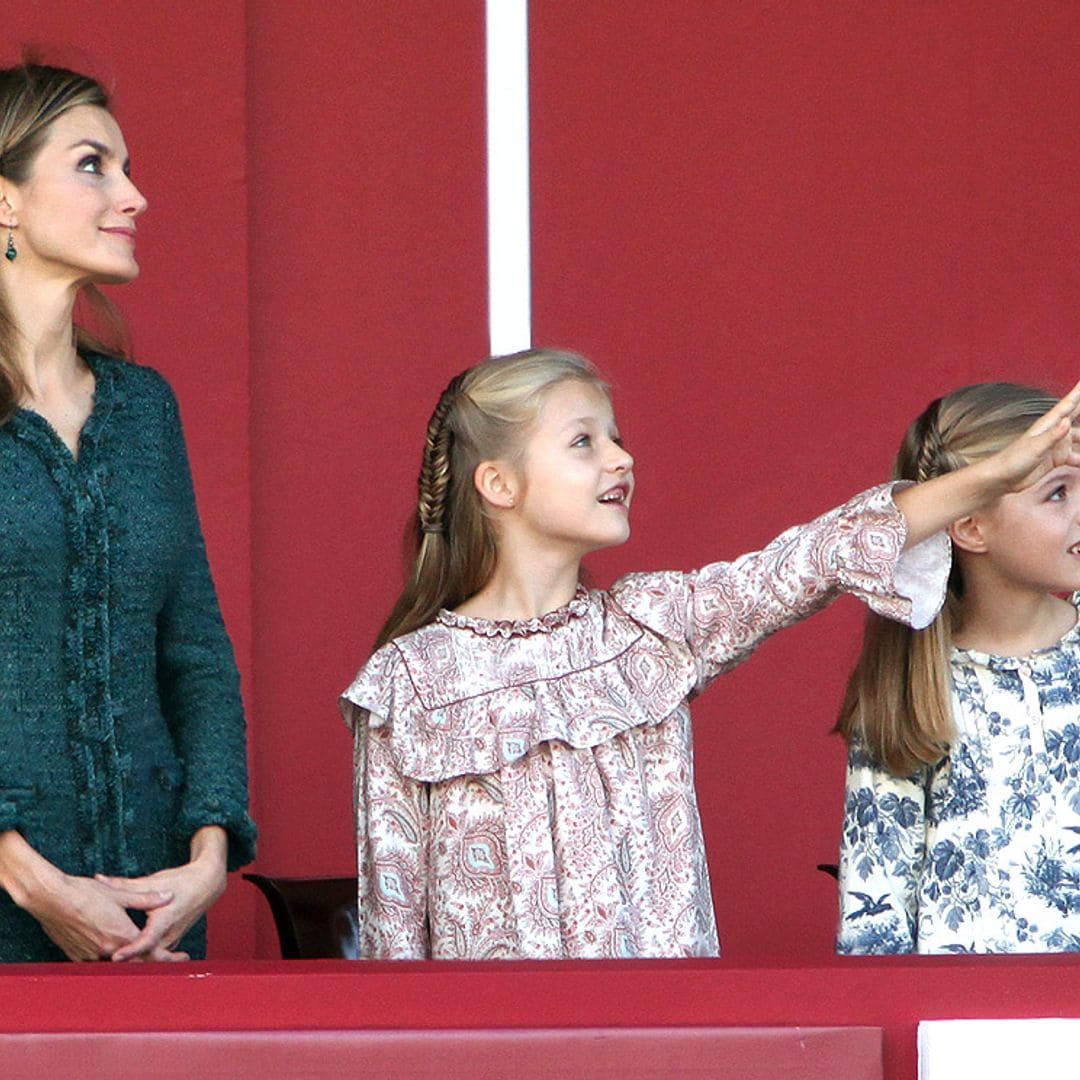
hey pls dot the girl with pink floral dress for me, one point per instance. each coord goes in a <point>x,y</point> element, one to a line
<point>523,760</point>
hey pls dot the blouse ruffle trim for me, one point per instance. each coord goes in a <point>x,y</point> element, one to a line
<point>611,662</point>
<point>506,628</point>
<point>633,679</point>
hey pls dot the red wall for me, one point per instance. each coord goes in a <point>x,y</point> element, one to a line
<point>369,283</point>
<point>780,229</point>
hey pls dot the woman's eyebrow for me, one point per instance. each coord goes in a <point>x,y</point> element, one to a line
<point>101,148</point>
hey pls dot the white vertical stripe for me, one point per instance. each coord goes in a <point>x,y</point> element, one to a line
<point>509,277</point>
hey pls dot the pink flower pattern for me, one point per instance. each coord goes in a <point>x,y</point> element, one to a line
<point>526,789</point>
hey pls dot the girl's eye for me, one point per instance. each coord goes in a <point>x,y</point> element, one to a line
<point>91,164</point>
<point>582,440</point>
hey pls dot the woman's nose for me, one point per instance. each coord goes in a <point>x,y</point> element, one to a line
<point>132,201</point>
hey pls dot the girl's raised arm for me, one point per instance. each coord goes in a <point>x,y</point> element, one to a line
<point>1050,442</point>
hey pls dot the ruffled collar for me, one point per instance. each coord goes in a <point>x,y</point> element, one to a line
<point>461,696</point>
<point>507,628</point>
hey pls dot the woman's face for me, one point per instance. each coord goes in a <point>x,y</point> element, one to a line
<point>75,213</point>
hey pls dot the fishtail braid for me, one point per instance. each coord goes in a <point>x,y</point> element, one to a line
<point>435,470</point>
<point>930,456</point>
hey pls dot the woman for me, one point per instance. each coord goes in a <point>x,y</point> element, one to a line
<point>123,788</point>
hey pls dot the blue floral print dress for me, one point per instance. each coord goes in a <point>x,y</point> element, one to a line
<point>980,853</point>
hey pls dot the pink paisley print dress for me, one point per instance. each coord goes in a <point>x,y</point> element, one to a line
<point>526,789</point>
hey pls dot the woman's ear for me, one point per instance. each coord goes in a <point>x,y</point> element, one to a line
<point>497,484</point>
<point>7,211</point>
<point>968,533</point>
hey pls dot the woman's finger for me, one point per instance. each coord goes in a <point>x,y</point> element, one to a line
<point>142,901</point>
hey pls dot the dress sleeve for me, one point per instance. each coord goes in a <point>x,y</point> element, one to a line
<point>198,680</point>
<point>391,846</point>
<point>882,852</point>
<point>723,611</point>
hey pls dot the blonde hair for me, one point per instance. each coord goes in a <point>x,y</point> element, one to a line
<point>898,700</point>
<point>483,414</point>
<point>32,96</point>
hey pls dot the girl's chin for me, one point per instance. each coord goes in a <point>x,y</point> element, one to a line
<point>614,542</point>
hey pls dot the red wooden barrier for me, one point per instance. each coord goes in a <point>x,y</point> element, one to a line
<point>327,995</point>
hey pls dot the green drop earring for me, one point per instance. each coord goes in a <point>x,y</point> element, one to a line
<point>11,252</point>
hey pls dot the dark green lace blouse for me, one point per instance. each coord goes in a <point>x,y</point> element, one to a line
<point>121,726</point>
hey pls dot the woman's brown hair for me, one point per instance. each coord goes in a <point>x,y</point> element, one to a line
<point>897,704</point>
<point>32,96</point>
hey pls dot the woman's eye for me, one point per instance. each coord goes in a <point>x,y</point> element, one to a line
<point>91,163</point>
<point>1057,494</point>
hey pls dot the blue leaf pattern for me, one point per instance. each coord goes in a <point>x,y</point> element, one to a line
<point>980,853</point>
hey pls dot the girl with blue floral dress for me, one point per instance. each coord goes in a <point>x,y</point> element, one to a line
<point>962,813</point>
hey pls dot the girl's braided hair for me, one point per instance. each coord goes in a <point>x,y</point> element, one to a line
<point>897,705</point>
<point>484,414</point>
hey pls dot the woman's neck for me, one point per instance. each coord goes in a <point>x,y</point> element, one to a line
<point>1012,622</point>
<point>45,353</point>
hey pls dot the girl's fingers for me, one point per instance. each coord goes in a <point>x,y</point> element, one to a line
<point>1049,437</point>
<point>1065,409</point>
<point>1071,401</point>
<point>1060,414</point>
<point>1074,396</point>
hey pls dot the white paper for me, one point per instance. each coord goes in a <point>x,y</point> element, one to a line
<point>999,1049</point>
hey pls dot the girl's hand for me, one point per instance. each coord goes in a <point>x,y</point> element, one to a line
<point>1049,443</point>
<point>1052,441</point>
<point>192,888</point>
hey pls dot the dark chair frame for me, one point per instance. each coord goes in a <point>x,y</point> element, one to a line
<point>315,917</point>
